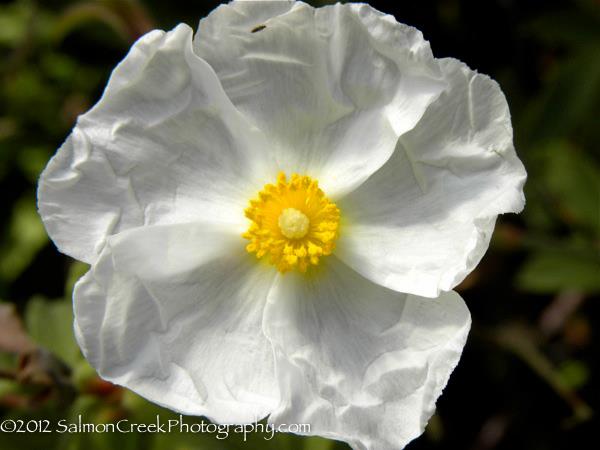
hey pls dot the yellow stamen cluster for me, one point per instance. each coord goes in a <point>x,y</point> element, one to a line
<point>293,223</point>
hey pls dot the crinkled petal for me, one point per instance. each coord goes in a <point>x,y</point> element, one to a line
<point>424,220</point>
<point>332,87</point>
<point>163,145</point>
<point>174,313</point>
<point>359,362</point>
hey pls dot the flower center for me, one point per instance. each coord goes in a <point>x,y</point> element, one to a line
<point>293,223</point>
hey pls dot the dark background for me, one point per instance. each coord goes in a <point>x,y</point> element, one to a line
<point>527,376</point>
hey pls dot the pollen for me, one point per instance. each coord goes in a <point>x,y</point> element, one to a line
<point>293,224</point>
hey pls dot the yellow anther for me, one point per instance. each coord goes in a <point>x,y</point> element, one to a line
<point>293,223</point>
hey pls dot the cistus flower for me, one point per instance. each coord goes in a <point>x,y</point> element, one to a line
<point>276,211</point>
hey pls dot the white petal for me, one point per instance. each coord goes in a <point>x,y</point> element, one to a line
<point>424,220</point>
<point>359,362</point>
<point>174,313</point>
<point>163,145</point>
<point>333,87</point>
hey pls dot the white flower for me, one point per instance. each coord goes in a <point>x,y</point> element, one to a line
<point>414,161</point>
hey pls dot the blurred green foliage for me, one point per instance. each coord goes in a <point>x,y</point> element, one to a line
<point>532,356</point>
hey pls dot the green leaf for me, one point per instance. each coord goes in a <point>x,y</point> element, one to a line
<point>32,161</point>
<point>318,443</point>
<point>548,272</point>
<point>26,237</point>
<point>76,271</point>
<point>570,101</point>
<point>8,361</point>
<point>574,374</point>
<point>50,324</point>
<point>8,387</point>
<point>13,23</point>
<point>573,180</point>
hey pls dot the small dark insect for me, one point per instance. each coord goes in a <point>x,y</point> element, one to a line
<point>258,28</point>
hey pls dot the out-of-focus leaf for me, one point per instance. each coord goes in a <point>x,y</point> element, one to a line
<point>83,372</point>
<point>25,88</point>
<point>573,178</point>
<point>50,324</point>
<point>8,387</point>
<point>13,23</point>
<point>32,161</point>
<point>539,215</point>
<point>8,361</point>
<point>318,443</point>
<point>548,272</point>
<point>29,95</point>
<point>574,373</point>
<point>26,237</point>
<point>571,100</point>
<point>59,66</point>
<point>13,337</point>
<point>76,271</point>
